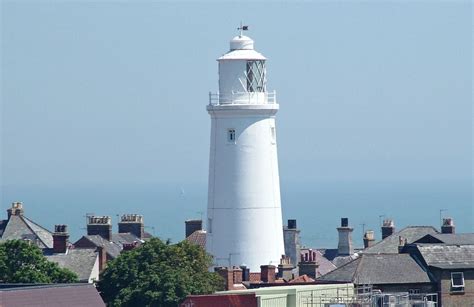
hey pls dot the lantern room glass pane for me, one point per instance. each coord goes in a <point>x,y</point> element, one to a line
<point>256,76</point>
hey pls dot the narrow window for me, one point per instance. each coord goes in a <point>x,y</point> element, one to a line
<point>231,135</point>
<point>273,136</point>
<point>209,225</point>
<point>457,282</point>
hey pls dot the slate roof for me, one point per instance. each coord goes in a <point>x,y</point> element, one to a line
<point>71,295</point>
<point>448,238</point>
<point>114,247</point>
<point>332,254</point>
<point>198,237</point>
<point>325,266</point>
<point>389,245</point>
<point>19,227</point>
<point>446,256</point>
<point>377,269</point>
<point>79,260</point>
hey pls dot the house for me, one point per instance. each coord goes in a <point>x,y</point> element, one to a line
<point>449,260</point>
<point>47,295</point>
<point>386,272</point>
<point>99,234</point>
<point>55,246</point>
<point>391,240</point>
<point>19,227</point>
<point>85,262</point>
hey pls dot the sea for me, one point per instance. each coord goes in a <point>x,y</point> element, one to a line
<point>317,207</point>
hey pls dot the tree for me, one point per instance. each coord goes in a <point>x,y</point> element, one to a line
<point>22,262</point>
<point>158,274</point>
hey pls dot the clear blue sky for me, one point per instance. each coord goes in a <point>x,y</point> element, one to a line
<point>113,92</point>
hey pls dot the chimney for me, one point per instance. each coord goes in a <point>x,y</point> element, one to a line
<point>285,268</point>
<point>308,264</point>
<point>102,257</point>
<point>192,226</point>
<point>16,209</point>
<point>401,243</point>
<point>132,223</point>
<point>344,246</point>
<point>238,275</point>
<point>388,228</point>
<point>267,273</point>
<point>227,275</point>
<point>100,225</point>
<point>60,238</point>
<point>369,238</point>
<point>291,238</point>
<point>448,226</point>
<point>245,273</point>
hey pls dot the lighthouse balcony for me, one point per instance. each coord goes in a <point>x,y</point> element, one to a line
<point>242,98</point>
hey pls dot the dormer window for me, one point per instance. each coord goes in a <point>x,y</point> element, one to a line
<point>256,76</point>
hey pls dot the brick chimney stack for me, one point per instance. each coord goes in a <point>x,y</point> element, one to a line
<point>388,228</point>
<point>448,226</point>
<point>16,209</point>
<point>369,238</point>
<point>192,226</point>
<point>308,264</point>
<point>291,239</point>
<point>100,225</point>
<point>132,223</point>
<point>267,273</point>
<point>344,246</point>
<point>228,275</point>
<point>60,239</point>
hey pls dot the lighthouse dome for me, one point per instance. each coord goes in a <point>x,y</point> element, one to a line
<point>241,42</point>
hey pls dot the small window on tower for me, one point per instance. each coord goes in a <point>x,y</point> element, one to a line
<point>273,136</point>
<point>231,135</point>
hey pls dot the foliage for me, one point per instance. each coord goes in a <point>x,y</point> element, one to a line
<point>158,274</point>
<point>22,262</point>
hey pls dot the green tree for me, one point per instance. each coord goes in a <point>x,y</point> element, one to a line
<point>158,274</point>
<point>22,262</point>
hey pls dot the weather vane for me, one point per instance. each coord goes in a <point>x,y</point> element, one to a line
<point>242,28</point>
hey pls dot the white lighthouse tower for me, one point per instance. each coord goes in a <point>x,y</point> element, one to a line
<point>244,208</point>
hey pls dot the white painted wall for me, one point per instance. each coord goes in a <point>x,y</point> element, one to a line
<point>244,206</point>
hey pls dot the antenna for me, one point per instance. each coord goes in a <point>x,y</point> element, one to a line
<point>441,215</point>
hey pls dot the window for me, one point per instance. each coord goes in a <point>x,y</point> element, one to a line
<point>256,76</point>
<point>413,291</point>
<point>209,225</point>
<point>231,135</point>
<point>273,136</point>
<point>457,282</point>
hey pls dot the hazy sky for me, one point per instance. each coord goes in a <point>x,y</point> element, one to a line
<point>115,92</point>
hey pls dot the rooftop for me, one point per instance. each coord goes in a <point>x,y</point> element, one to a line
<point>379,269</point>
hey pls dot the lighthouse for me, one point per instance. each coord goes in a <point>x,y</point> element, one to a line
<point>244,225</point>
